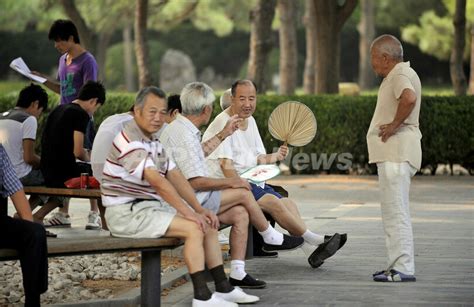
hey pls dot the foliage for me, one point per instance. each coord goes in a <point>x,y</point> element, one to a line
<point>434,34</point>
<point>395,13</point>
<point>35,14</point>
<point>445,122</point>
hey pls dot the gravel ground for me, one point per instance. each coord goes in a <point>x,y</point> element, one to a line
<point>80,278</point>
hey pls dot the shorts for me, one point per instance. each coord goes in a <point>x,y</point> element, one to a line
<point>34,177</point>
<point>142,219</point>
<point>259,192</point>
<point>210,200</point>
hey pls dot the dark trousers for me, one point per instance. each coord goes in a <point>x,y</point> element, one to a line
<point>29,239</point>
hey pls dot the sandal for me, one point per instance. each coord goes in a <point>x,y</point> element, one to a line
<point>394,276</point>
<point>379,272</point>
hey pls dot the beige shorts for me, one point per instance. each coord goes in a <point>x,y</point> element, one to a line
<point>143,219</point>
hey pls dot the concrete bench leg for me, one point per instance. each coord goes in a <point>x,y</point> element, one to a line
<point>151,278</point>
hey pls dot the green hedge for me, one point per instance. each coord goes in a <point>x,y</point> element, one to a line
<point>446,122</point>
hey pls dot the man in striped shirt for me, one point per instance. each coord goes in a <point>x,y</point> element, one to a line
<point>147,197</point>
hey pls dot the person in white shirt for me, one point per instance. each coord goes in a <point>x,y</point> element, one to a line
<point>108,130</point>
<point>18,128</point>
<point>233,203</point>
<point>394,144</point>
<point>147,197</point>
<point>243,150</point>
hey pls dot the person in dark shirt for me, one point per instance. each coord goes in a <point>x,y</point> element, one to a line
<point>63,139</point>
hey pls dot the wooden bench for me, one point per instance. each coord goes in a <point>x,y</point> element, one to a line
<point>75,241</point>
<point>73,193</point>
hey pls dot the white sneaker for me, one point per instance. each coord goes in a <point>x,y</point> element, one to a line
<point>214,301</point>
<point>93,221</point>
<point>59,219</point>
<point>222,238</point>
<point>237,296</point>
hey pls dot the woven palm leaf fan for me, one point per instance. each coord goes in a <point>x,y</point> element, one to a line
<point>293,123</point>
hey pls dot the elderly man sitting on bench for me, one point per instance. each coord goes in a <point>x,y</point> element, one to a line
<point>146,197</point>
<point>243,150</point>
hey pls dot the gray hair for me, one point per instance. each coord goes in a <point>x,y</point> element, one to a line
<point>226,99</point>
<point>389,45</point>
<point>144,92</point>
<point>195,96</point>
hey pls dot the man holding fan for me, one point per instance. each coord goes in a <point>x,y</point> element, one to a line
<point>243,150</point>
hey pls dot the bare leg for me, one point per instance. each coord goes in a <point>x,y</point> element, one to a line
<point>193,237</point>
<point>212,249</point>
<point>282,215</point>
<point>233,197</point>
<point>39,215</point>
<point>291,206</point>
<point>94,206</point>
<point>34,201</point>
<point>238,217</point>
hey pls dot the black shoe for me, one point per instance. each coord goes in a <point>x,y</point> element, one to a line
<point>341,243</point>
<point>259,253</point>
<point>289,243</point>
<point>324,251</point>
<point>248,283</point>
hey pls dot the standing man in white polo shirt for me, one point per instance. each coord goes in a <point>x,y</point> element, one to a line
<point>394,143</point>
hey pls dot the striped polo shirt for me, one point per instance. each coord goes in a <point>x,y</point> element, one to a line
<point>123,176</point>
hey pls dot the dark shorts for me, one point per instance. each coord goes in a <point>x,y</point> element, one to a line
<point>258,192</point>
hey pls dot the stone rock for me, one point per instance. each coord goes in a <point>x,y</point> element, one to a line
<point>176,70</point>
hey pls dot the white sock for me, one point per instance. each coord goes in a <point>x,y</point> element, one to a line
<point>271,236</point>
<point>237,269</point>
<point>312,238</point>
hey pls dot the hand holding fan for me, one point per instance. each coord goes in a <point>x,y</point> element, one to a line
<point>292,123</point>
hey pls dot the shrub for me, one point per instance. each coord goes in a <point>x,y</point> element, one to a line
<point>446,123</point>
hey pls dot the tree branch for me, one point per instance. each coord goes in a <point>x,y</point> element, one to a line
<point>73,13</point>
<point>344,12</point>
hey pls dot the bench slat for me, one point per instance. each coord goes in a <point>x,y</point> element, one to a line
<point>79,241</point>
<point>77,193</point>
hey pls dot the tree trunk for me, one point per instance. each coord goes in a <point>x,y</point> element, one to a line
<point>310,68</point>
<point>85,34</point>
<point>128,58</point>
<point>471,78</point>
<point>102,45</point>
<point>330,17</point>
<point>260,42</point>
<point>366,30</point>
<point>288,46</point>
<point>456,61</point>
<point>141,43</point>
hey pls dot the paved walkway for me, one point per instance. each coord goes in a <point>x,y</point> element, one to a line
<point>443,221</point>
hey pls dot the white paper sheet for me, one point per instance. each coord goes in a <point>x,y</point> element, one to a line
<point>20,66</point>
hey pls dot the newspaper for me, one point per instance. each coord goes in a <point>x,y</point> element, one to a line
<point>20,66</point>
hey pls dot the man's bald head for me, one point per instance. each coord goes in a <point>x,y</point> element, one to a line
<point>388,45</point>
